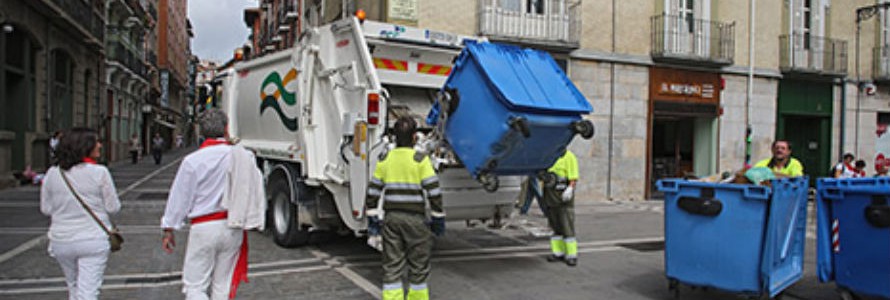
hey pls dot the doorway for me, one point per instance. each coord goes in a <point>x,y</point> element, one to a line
<point>681,146</point>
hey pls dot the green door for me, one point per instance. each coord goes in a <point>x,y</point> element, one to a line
<point>804,119</point>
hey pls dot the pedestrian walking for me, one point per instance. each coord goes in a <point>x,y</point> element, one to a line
<point>781,162</point>
<point>135,147</point>
<point>530,191</point>
<point>559,198</point>
<point>157,148</point>
<point>76,240</point>
<point>53,144</point>
<point>204,192</point>
<point>401,179</point>
<point>845,168</point>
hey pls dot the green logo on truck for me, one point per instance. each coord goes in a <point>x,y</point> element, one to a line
<point>280,94</point>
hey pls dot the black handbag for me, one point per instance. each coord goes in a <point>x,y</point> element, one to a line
<point>115,239</point>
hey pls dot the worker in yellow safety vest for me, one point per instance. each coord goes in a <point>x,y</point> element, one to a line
<point>782,162</point>
<point>559,198</point>
<point>402,179</point>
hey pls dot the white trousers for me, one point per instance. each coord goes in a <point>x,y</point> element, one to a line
<point>83,263</point>
<point>210,258</point>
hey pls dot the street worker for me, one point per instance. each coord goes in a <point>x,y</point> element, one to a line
<point>559,198</point>
<point>402,179</point>
<point>782,162</point>
<point>203,192</point>
<point>844,169</point>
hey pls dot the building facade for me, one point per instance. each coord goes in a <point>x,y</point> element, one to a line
<point>682,87</point>
<point>51,76</point>
<point>127,74</point>
<point>168,115</point>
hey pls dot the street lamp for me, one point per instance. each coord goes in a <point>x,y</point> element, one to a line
<point>862,14</point>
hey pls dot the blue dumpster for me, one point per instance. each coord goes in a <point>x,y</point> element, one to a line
<point>744,239</point>
<point>853,238</point>
<point>513,111</point>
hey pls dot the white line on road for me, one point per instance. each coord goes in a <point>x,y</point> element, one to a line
<point>22,248</point>
<point>147,177</point>
<point>36,241</point>
<point>357,279</point>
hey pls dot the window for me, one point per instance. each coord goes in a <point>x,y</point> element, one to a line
<point>806,11</point>
<point>62,85</point>
<point>686,12</point>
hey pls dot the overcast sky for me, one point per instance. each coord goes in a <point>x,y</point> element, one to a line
<point>219,27</point>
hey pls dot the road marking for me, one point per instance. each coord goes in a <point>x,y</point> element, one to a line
<point>36,241</point>
<point>163,279</point>
<point>22,248</point>
<point>147,177</point>
<point>357,279</point>
<point>120,286</point>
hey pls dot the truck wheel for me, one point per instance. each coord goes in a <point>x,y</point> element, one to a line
<point>286,231</point>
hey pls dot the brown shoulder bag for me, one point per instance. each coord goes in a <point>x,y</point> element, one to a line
<point>115,239</point>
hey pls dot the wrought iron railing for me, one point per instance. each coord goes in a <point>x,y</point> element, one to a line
<point>812,54</point>
<point>550,21</point>
<point>693,39</point>
<point>81,12</point>
<point>122,55</point>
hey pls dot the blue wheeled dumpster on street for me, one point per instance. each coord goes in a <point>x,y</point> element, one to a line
<point>853,238</point>
<point>746,239</point>
<point>509,111</point>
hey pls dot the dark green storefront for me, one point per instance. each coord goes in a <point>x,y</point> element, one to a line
<point>804,119</point>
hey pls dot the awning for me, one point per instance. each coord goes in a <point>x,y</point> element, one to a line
<point>165,123</point>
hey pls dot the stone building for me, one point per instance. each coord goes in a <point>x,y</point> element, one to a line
<point>52,72</point>
<point>685,87</point>
<point>127,73</point>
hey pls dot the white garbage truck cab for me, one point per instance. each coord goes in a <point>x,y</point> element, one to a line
<point>317,116</point>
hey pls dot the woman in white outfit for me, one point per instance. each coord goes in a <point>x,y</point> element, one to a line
<point>75,240</point>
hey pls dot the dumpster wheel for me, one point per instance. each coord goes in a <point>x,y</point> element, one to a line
<point>584,128</point>
<point>846,294</point>
<point>674,288</point>
<point>489,182</point>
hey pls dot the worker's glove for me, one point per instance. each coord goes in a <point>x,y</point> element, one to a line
<point>374,226</point>
<point>437,225</point>
<point>568,194</point>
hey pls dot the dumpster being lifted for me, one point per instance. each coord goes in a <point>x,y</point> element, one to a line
<point>853,240</point>
<point>505,110</point>
<point>740,238</point>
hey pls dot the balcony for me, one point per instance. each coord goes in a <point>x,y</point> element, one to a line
<point>120,54</point>
<point>553,23</point>
<point>806,54</point>
<point>287,13</point>
<point>881,64</point>
<point>81,13</point>
<point>688,40</point>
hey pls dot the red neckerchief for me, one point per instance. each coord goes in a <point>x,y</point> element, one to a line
<point>850,167</point>
<point>89,160</point>
<point>213,142</point>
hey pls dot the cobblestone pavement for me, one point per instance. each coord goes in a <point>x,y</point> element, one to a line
<point>621,246</point>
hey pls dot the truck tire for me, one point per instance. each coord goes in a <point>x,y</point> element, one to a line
<point>282,216</point>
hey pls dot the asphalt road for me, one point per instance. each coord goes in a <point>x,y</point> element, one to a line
<point>621,246</point>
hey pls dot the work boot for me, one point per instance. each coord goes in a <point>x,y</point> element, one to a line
<point>572,261</point>
<point>554,258</point>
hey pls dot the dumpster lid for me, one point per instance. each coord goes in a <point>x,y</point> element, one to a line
<point>528,79</point>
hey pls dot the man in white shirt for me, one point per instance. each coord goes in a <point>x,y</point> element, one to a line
<point>845,169</point>
<point>216,255</point>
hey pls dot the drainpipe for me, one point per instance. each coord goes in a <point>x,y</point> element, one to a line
<point>611,109</point>
<point>750,91</point>
<point>840,146</point>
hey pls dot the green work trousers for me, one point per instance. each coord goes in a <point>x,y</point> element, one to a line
<point>560,214</point>
<point>407,240</point>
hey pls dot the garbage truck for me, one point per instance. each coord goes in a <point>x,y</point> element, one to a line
<point>317,116</point>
